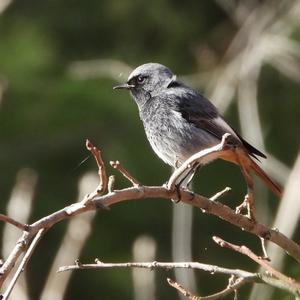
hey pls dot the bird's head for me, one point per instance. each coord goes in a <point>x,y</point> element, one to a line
<point>146,80</point>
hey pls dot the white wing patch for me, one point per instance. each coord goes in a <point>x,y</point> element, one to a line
<point>227,129</point>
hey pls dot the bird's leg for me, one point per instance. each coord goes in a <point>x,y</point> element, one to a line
<point>195,168</point>
<point>248,202</point>
<point>185,180</point>
<point>177,188</point>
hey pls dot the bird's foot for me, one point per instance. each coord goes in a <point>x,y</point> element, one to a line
<point>183,189</point>
<point>177,189</point>
<point>248,205</point>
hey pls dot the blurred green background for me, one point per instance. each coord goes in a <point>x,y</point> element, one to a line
<point>50,104</point>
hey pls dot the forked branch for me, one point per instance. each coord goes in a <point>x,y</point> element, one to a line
<point>97,200</point>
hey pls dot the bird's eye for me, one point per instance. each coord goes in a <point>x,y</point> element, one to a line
<point>140,79</point>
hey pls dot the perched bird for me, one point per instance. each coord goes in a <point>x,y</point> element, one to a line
<point>179,122</point>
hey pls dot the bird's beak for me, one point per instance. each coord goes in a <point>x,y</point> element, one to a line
<point>124,86</point>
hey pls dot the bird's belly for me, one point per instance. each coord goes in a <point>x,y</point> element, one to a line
<point>175,144</point>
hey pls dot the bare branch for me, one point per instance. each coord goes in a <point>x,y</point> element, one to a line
<point>118,166</point>
<point>111,183</point>
<point>23,263</point>
<point>182,290</point>
<point>11,221</point>
<point>231,288</point>
<point>265,277</point>
<point>101,168</point>
<point>134,193</point>
<point>215,208</point>
<point>95,201</point>
<point>9,263</point>
<point>291,283</point>
<point>220,194</point>
<point>212,269</point>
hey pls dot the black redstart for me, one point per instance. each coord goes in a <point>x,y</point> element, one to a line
<point>179,121</point>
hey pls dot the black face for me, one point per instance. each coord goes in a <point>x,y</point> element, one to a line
<point>140,87</point>
<point>137,81</point>
<point>133,83</point>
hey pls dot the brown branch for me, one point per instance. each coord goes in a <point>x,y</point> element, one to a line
<point>118,166</point>
<point>111,183</point>
<point>142,192</point>
<point>23,264</point>
<point>212,269</point>
<point>211,207</point>
<point>220,194</point>
<point>11,221</point>
<point>265,278</point>
<point>101,168</point>
<point>291,283</point>
<point>9,263</point>
<point>95,201</point>
<point>231,288</point>
<point>68,211</point>
<point>182,290</point>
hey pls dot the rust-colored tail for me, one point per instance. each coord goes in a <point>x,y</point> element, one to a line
<point>266,179</point>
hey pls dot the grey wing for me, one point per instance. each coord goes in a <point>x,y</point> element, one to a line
<point>200,112</point>
<point>196,109</point>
